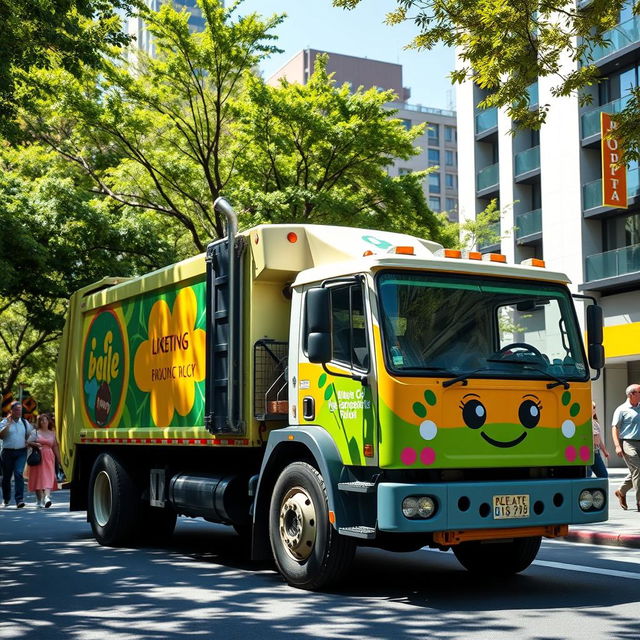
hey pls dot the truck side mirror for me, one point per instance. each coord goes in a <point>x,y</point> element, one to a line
<point>318,324</point>
<point>594,336</point>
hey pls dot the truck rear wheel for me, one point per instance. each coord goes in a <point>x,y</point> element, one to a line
<point>308,551</point>
<point>114,502</point>
<point>498,558</point>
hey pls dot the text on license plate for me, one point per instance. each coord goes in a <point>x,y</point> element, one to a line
<point>510,506</point>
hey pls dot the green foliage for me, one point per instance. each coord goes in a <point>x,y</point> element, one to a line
<point>58,237</point>
<point>506,45</point>
<point>42,33</point>
<point>472,233</point>
<point>317,153</point>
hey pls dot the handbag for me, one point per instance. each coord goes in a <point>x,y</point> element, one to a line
<point>35,457</point>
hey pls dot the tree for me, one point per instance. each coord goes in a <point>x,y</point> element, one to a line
<point>506,46</point>
<point>320,153</point>
<point>58,237</point>
<point>37,33</point>
<point>155,133</point>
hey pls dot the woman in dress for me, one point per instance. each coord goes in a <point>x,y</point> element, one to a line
<point>42,477</point>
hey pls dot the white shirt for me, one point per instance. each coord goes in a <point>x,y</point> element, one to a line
<point>17,434</point>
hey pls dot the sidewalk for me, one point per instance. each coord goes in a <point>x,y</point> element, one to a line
<point>623,527</point>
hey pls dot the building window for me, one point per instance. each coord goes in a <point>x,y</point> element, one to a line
<point>448,158</point>
<point>434,203</point>
<point>403,171</point>
<point>450,180</point>
<point>434,157</point>
<point>433,134</point>
<point>434,183</point>
<point>406,123</point>
<point>450,134</point>
<point>451,204</point>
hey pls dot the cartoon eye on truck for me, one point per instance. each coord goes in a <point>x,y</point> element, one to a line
<point>323,388</point>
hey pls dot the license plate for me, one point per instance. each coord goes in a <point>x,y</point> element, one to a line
<point>510,506</point>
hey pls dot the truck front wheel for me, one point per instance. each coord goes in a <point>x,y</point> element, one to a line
<point>498,558</point>
<point>114,501</point>
<point>308,551</point>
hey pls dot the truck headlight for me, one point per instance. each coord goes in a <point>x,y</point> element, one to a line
<point>410,507</point>
<point>426,507</point>
<point>598,499</point>
<point>586,500</point>
<point>414,507</point>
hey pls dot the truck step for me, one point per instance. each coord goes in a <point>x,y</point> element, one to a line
<point>357,487</point>
<point>368,533</point>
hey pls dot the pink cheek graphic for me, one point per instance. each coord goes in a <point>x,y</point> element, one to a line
<point>585,453</point>
<point>408,456</point>
<point>570,453</point>
<point>428,456</point>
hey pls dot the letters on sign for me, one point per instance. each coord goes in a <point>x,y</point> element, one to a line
<point>614,178</point>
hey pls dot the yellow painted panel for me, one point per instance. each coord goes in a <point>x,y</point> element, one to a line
<point>622,340</point>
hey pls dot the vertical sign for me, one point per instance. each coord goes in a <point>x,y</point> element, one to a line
<point>614,178</point>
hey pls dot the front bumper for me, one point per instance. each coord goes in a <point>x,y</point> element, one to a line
<point>462,505</point>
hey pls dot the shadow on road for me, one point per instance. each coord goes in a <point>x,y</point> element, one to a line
<point>57,582</point>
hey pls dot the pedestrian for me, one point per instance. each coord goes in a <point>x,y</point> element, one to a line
<point>14,432</point>
<point>42,477</point>
<point>598,467</point>
<point>625,428</point>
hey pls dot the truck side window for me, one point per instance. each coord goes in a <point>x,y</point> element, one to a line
<point>349,327</point>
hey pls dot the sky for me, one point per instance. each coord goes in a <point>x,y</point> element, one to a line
<point>317,24</point>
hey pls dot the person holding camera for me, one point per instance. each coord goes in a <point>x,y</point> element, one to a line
<point>14,432</point>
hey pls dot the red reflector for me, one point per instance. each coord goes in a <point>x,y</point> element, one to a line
<point>452,253</point>
<point>292,237</point>
<point>368,450</point>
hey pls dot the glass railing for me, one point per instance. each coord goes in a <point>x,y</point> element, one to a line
<point>494,229</point>
<point>613,263</point>
<point>592,191</point>
<point>619,37</point>
<point>591,119</point>
<point>527,160</point>
<point>532,90</point>
<point>486,119</point>
<point>487,177</point>
<point>528,223</point>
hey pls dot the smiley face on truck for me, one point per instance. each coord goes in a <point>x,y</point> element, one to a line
<point>475,415</point>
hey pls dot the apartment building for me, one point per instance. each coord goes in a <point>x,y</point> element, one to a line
<point>549,185</point>
<point>438,145</point>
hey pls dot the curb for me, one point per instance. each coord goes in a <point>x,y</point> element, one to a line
<point>611,539</point>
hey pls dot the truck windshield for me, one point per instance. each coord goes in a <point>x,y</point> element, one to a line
<point>439,324</point>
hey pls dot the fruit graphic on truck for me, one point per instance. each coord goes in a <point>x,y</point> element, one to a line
<point>321,388</point>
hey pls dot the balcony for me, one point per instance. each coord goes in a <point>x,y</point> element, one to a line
<point>527,164</point>
<point>591,120</point>
<point>528,224</point>
<point>487,180</point>
<point>486,120</point>
<point>592,191</point>
<point>611,264</point>
<point>621,36</point>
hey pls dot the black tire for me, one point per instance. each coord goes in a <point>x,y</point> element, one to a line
<point>114,502</point>
<point>498,558</point>
<point>308,551</point>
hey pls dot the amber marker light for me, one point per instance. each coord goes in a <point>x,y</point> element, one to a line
<point>332,517</point>
<point>292,437</point>
<point>474,255</point>
<point>533,262</point>
<point>452,253</point>
<point>368,450</point>
<point>495,257</point>
<point>407,251</point>
<point>292,237</point>
<point>368,252</point>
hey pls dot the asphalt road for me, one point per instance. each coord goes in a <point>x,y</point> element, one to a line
<point>57,582</point>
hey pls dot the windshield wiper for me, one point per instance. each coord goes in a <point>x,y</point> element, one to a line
<point>551,385</point>
<point>464,378</point>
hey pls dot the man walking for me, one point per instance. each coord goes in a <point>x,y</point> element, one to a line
<point>625,428</point>
<point>14,431</point>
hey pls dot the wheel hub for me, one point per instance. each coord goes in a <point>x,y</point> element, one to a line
<point>298,523</point>
<point>102,498</point>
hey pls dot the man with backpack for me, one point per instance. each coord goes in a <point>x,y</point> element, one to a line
<point>14,432</point>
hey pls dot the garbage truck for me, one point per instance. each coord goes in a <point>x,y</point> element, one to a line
<point>320,388</point>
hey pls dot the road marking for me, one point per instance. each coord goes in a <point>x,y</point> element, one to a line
<point>577,567</point>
